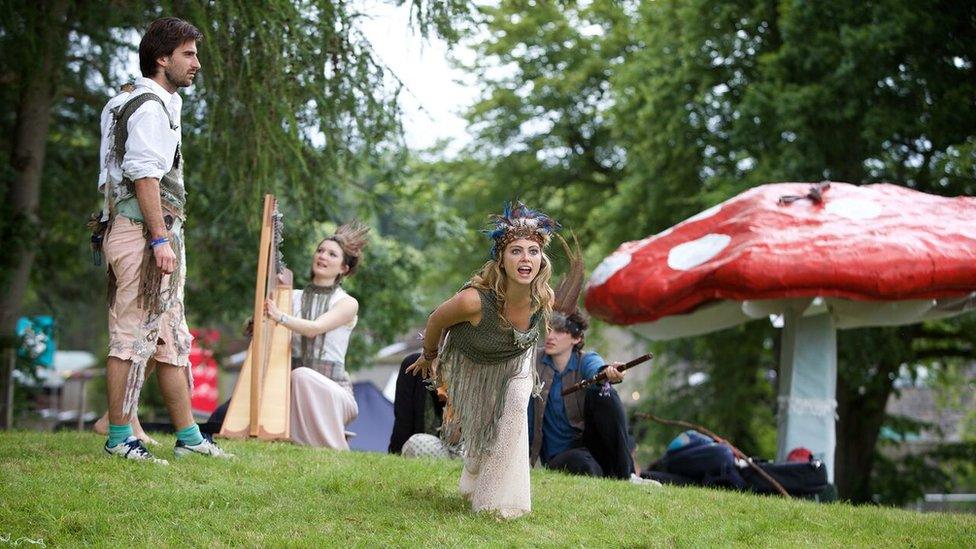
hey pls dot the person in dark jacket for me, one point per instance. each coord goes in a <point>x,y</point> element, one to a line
<point>584,432</point>
<point>416,409</point>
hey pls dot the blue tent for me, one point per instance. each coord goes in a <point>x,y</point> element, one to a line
<point>374,425</point>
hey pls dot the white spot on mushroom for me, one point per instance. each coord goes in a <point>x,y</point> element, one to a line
<point>609,267</point>
<point>853,208</point>
<point>692,254</point>
<point>705,213</point>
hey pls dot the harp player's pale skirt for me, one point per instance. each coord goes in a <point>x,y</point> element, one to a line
<point>322,402</point>
<point>320,410</point>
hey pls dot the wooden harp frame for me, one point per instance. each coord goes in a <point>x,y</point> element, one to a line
<point>261,402</point>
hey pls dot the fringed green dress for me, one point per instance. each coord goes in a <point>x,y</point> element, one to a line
<point>490,376</point>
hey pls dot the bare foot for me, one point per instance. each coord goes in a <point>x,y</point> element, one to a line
<point>101,426</point>
<point>140,434</point>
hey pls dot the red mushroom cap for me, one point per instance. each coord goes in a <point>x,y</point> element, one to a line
<point>862,243</point>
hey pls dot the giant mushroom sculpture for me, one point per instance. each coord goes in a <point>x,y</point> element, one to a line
<point>824,257</point>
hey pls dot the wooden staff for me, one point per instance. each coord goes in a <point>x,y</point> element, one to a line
<point>735,451</point>
<point>602,376</point>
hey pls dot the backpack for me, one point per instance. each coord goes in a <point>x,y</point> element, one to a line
<point>701,460</point>
<point>799,479</point>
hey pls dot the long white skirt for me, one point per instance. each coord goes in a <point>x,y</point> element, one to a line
<point>320,410</point>
<point>499,480</point>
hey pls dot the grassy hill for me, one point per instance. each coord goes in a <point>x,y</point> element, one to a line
<point>61,489</point>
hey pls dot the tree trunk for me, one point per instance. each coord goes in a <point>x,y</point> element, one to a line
<point>861,416</point>
<point>39,77</point>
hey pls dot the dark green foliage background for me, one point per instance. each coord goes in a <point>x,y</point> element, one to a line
<point>622,118</point>
<point>618,117</point>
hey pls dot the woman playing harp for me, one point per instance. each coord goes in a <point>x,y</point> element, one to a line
<point>322,318</point>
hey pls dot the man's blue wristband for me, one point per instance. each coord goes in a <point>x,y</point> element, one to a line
<point>157,241</point>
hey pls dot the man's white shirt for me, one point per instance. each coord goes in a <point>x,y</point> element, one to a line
<point>151,145</point>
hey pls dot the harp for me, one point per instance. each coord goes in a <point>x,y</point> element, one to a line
<point>261,402</point>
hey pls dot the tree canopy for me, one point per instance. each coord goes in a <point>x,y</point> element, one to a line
<point>291,100</point>
<point>623,118</point>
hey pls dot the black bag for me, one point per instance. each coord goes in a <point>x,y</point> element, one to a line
<point>798,478</point>
<point>693,458</point>
<point>699,459</point>
<point>668,478</point>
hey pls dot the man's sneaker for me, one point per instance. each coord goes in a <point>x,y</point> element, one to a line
<point>132,448</point>
<point>641,481</point>
<point>205,448</point>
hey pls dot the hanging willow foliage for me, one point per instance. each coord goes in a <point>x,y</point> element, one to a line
<point>291,100</point>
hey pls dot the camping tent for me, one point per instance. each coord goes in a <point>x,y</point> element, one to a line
<point>374,425</point>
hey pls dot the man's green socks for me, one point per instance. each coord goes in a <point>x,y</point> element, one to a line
<point>190,436</point>
<point>118,433</point>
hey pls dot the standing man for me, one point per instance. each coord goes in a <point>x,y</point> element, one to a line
<point>142,178</point>
<point>583,433</point>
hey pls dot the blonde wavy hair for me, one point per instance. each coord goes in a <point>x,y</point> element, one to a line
<point>491,278</point>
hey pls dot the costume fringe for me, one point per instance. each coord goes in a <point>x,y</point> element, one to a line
<point>151,276</point>
<point>150,282</point>
<point>137,377</point>
<point>476,395</point>
<point>113,287</point>
<point>154,299</point>
<point>133,384</point>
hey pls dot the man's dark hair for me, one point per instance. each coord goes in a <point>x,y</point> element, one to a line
<point>161,39</point>
<point>576,325</point>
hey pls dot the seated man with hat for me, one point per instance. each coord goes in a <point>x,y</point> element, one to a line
<point>585,432</point>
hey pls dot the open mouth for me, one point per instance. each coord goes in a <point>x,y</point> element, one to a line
<point>525,270</point>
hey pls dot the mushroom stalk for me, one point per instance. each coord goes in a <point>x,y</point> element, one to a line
<point>808,386</point>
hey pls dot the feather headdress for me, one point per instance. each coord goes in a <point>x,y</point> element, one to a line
<point>566,303</point>
<point>352,237</point>
<point>519,221</point>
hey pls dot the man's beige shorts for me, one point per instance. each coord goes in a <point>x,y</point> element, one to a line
<point>124,249</point>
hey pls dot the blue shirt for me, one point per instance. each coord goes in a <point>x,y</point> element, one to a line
<point>557,433</point>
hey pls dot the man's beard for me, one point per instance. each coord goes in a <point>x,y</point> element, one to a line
<point>175,81</point>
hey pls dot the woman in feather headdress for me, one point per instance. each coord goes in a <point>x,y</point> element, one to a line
<point>322,319</point>
<point>486,360</point>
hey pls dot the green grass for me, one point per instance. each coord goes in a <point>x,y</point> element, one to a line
<point>61,489</point>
